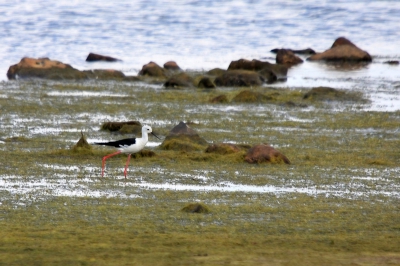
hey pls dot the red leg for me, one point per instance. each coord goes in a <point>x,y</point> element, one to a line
<point>103,165</point>
<point>127,164</point>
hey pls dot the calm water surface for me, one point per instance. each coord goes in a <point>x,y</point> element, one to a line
<point>196,34</point>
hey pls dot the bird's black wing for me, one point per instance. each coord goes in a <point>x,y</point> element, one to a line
<point>119,143</point>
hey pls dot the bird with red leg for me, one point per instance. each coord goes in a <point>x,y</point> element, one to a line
<point>128,146</point>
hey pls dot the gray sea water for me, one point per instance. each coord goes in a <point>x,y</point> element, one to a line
<point>201,35</point>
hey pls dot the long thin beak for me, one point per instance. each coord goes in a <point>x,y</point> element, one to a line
<point>155,135</point>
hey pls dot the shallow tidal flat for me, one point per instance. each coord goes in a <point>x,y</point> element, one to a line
<point>336,203</point>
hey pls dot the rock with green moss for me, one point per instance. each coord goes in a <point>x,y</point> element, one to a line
<point>239,78</point>
<point>81,145</point>
<point>248,96</point>
<point>181,80</point>
<point>219,99</point>
<point>183,138</point>
<point>196,208</point>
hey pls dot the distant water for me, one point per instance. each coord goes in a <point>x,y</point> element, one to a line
<point>201,35</point>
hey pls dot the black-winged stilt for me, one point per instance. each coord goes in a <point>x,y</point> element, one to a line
<point>129,146</point>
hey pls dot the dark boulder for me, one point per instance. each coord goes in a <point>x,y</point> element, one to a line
<point>92,57</point>
<point>206,83</point>
<point>287,57</point>
<point>239,78</point>
<point>307,51</point>
<point>257,65</point>
<point>180,80</point>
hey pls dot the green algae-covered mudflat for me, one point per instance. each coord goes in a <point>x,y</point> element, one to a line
<point>337,203</point>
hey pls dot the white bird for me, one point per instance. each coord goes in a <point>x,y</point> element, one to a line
<point>129,146</point>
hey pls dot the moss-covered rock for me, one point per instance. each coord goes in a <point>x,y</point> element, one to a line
<point>219,99</point>
<point>183,138</point>
<point>81,145</point>
<point>196,208</point>
<point>248,96</point>
<point>180,80</point>
<point>239,78</point>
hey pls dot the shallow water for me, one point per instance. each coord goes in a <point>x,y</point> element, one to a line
<point>198,35</point>
<point>202,35</point>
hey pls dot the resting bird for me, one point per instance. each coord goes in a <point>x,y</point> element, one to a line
<point>129,146</point>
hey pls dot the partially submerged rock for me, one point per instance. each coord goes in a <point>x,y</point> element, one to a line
<point>342,50</point>
<point>92,57</point>
<point>256,65</point>
<point>248,96</point>
<point>307,51</point>
<point>183,138</point>
<point>44,68</point>
<point>239,78</point>
<point>331,94</point>
<point>287,57</point>
<point>264,153</point>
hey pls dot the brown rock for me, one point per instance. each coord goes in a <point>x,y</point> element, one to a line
<point>179,80</point>
<point>28,67</point>
<point>264,153</point>
<point>239,78</point>
<point>56,70</point>
<point>342,50</point>
<point>153,70</point>
<point>92,57</point>
<point>287,57</point>
<point>257,65</point>
<point>172,65</point>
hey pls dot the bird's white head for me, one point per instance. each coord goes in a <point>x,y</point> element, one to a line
<point>147,130</point>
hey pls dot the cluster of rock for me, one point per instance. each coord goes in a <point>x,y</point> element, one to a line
<point>184,139</point>
<point>240,73</point>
